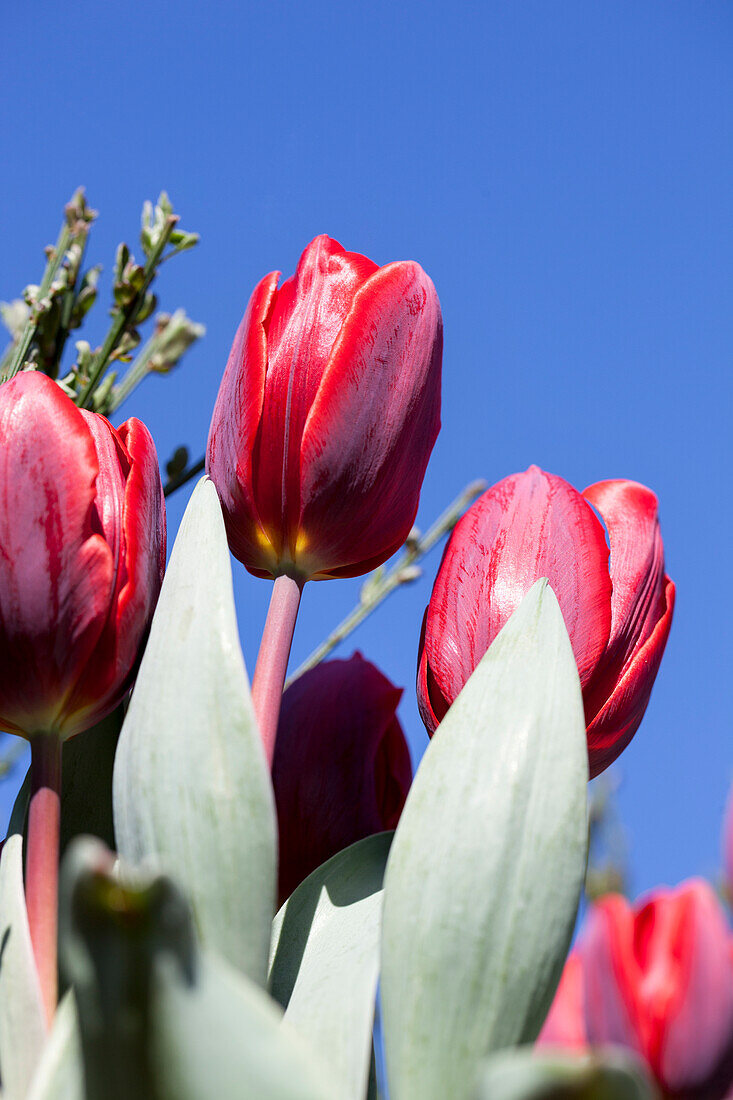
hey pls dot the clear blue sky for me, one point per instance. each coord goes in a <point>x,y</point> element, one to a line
<point>564,173</point>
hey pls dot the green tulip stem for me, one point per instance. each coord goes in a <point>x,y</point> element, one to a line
<point>272,659</point>
<point>122,316</point>
<point>55,260</point>
<point>381,584</point>
<point>42,862</point>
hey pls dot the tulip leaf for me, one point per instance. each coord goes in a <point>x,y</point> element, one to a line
<point>192,789</point>
<point>86,781</point>
<point>222,1036</point>
<point>160,1019</point>
<point>60,1074</point>
<point>325,959</point>
<point>485,872</point>
<point>22,1017</point>
<point>528,1074</point>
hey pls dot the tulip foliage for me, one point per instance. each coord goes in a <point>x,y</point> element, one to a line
<point>270,905</point>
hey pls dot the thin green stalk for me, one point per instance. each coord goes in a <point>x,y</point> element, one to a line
<point>31,326</point>
<point>124,315</point>
<point>138,371</point>
<point>190,472</point>
<point>379,585</point>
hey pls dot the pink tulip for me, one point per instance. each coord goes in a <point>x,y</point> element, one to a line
<point>342,767</point>
<point>658,979</point>
<point>327,414</point>
<point>565,1023</point>
<point>82,553</point>
<point>534,525</point>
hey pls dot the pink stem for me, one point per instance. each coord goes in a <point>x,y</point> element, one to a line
<point>42,862</point>
<point>272,659</point>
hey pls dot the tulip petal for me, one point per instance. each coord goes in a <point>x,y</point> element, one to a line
<point>699,1031</point>
<point>659,980</point>
<point>306,318</point>
<point>565,1023</point>
<point>129,466</point>
<point>233,430</point>
<point>342,768</point>
<point>56,570</point>
<point>611,973</point>
<point>372,425</point>
<point>613,727</point>
<point>528,526</point>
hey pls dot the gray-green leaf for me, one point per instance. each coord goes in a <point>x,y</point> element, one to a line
<point>325,959</point>
<point>192,789</point>
<point>60,1074</point>
<point>486,868</point>
<point>22,1017</point>
<point>527,1074</point>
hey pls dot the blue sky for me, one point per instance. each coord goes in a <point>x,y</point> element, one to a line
<point>562,171</point>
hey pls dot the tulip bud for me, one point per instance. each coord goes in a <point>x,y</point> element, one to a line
<point>342,767</point>
<point>658,979</point>
<point>327,414</point>
<point>534,525</point>
<point>82,553</point>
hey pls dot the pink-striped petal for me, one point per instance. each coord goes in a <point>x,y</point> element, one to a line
<point>308,313</point>
<point>614,725</point>
<point>57,572</point>
<point>129,456</point>
<point>528,526</point>
<point>372,426</point>
<point>233,432</point>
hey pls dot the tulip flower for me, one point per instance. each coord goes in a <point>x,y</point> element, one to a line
<point>82,552</point>
<point>326,416</point>
<point>565,1023</point>
<point>342,767</point>
<point>617,614</point>
<point>658,979</point>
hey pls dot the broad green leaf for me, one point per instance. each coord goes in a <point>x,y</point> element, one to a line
<point>86,781</point>
<point>192,789</point>
<point>19,812</point>
<point>527,1074</point>
<point>22,1017</point>
<point>325,959</point>
<point>485,872</point>
<point>60,1074</point>
<point>219,1035</point>
<point>159,1019</point>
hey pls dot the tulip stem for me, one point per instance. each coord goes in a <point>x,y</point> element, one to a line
<point>42,862</point>
<point>183,478</point>
<point>380,584</point>
<point>123,316</point>
<point>272,659</point>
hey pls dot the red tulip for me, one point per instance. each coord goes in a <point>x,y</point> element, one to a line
<point>327,414</point>
<point>342,767</point>
<point>565,1023</point>
<point>534,525</point>
<point>659,980</point>
<point>82,552</point>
